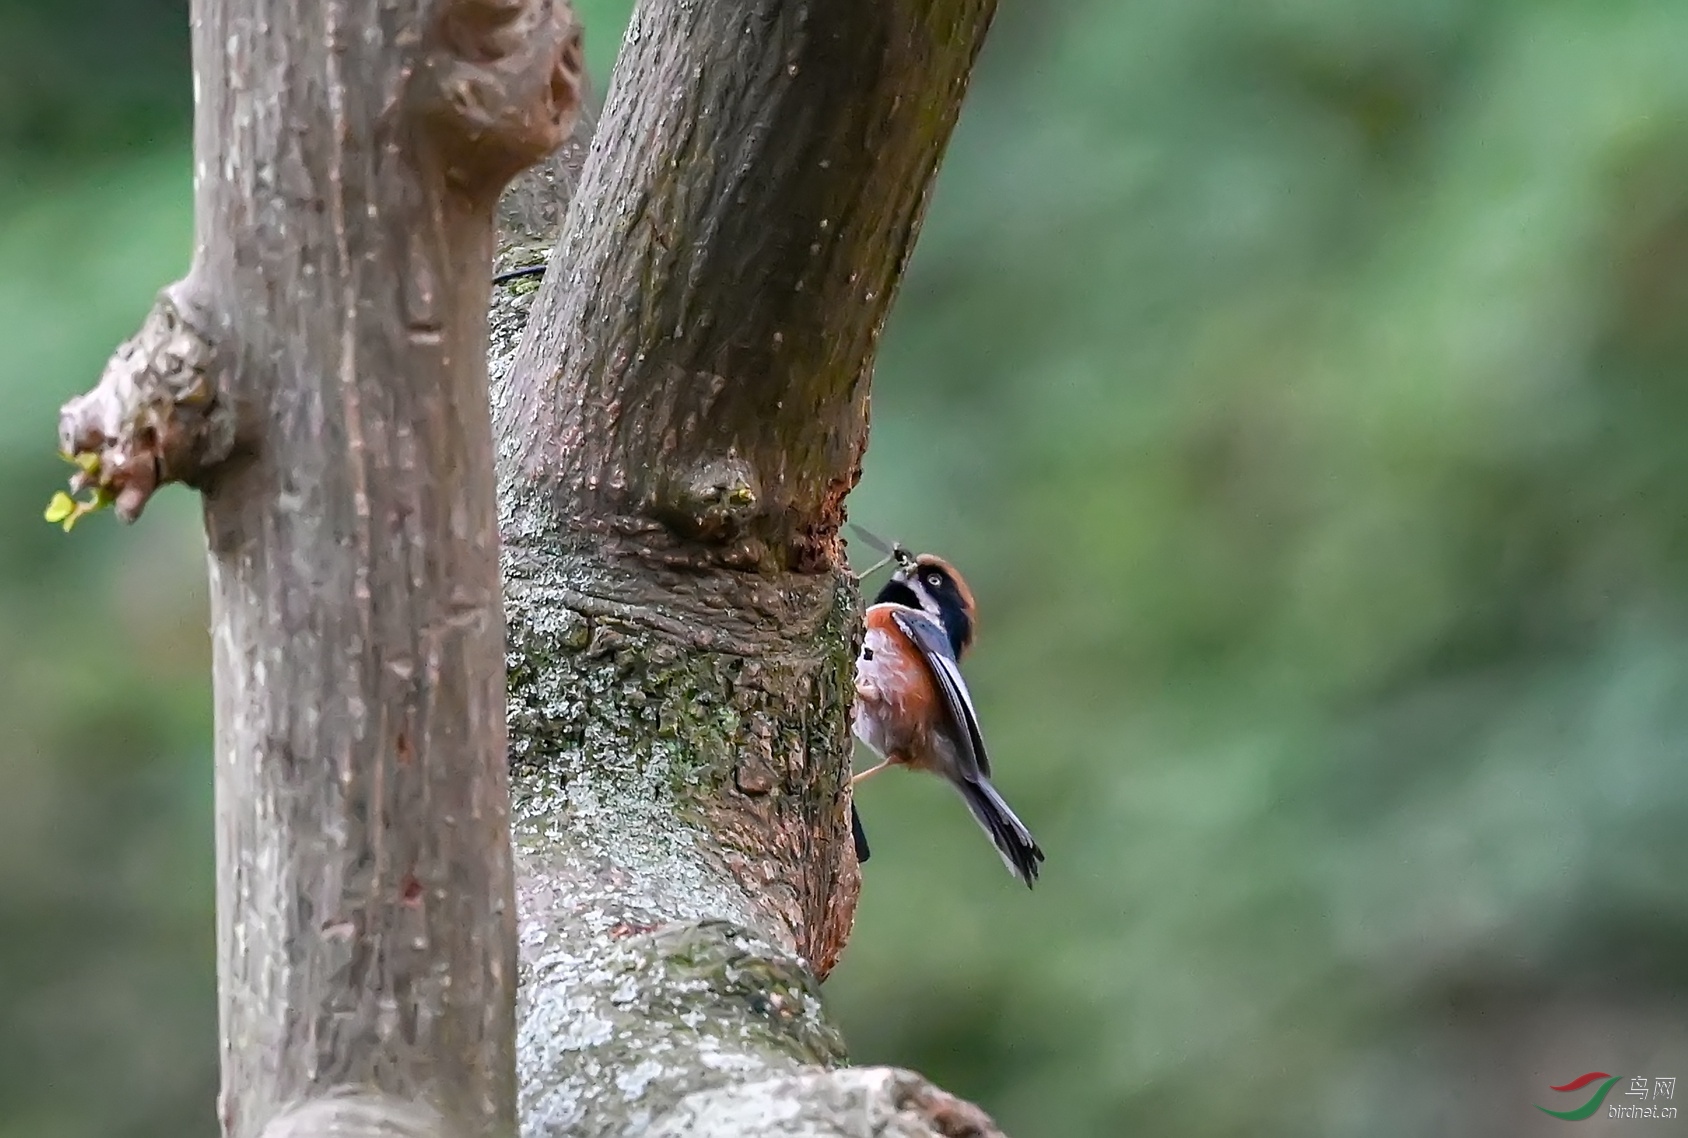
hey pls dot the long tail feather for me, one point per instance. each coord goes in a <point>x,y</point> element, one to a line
<point>1013,841</point>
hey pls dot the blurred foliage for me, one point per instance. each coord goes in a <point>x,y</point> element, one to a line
<point>1301,386</point>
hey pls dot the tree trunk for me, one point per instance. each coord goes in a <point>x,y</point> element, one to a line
<point>320,373</point>
<point>677,432</point>
<point>678,428</point>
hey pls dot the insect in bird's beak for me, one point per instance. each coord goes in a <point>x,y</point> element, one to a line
<point>893,552</point>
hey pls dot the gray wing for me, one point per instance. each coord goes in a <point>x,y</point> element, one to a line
<point>929,636</point>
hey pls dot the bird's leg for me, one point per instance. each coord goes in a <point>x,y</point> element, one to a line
<point>865,775</point>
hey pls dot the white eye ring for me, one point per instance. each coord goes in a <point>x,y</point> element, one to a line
<point>934,580</point>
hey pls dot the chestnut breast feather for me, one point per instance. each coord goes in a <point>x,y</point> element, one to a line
<point>895,705</point>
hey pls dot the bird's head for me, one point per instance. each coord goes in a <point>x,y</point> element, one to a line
<point>931,584</point>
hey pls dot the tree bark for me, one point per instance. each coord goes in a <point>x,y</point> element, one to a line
<point>678,425</point>
<point>320,374</point>
<point>681,409</point>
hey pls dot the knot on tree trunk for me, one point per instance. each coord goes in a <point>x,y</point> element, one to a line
<point>158,414</point>
<point>714,503</point>
<point>501,87</point>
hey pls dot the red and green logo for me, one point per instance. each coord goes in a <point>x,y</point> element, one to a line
<point>1594,1101</point>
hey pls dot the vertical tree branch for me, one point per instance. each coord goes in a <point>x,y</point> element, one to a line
<point>677,433</point>
<point>321,374</point>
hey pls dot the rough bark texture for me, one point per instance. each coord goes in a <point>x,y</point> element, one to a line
<point>677,434</point>
<point>320,373</point>
<point>678,429</point>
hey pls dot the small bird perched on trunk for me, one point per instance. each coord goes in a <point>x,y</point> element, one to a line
<point>912,706</point>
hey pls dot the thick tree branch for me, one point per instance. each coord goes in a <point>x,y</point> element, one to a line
<point>320,373</point>
<point>767,169</point>
<point>677,432</point>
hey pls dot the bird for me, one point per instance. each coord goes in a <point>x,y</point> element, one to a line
<point>913,708</point>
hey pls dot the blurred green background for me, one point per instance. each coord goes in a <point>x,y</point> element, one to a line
<point>1303,386</point>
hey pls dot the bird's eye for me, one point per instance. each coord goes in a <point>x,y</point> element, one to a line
<point>934,580</point>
